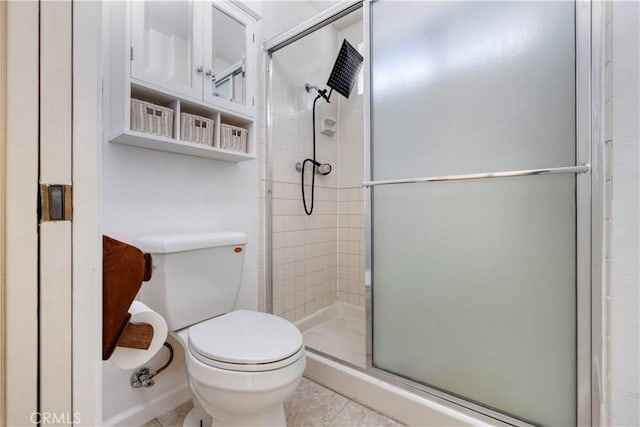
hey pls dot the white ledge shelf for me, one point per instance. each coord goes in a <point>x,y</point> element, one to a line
<point>161,143</point>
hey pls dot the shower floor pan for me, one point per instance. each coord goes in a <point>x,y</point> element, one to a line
<point>337,330</point>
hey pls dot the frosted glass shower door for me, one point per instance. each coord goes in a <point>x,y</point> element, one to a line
<point>474,282</point>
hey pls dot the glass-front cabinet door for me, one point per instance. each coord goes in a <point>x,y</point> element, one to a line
<point>228,57</point>
<point>166,45</point>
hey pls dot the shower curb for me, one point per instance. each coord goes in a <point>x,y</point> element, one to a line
<point>388,399</point>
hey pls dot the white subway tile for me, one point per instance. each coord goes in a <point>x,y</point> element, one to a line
<point>308,280</point>
<point>354,299</point>
<point>289,302</point>
<point>278,306</point>
<point>288,270</point>
<point>309,266</point>
<point>308,295</point>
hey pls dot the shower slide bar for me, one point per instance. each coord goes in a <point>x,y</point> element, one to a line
<point>473,176</point>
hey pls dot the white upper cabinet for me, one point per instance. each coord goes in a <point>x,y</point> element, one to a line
<point>166,45</point>
<point>228,55</point>
<point>200,50</point>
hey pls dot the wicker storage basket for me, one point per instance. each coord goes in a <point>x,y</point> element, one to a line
<point>233,138</point>
<point>195,128</point>
<point>151,118</point>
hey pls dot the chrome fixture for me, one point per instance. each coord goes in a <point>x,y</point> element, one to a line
<point>487,175</point>
<point>143,377</point>
<point>319,169</point>
<point>324,169</point>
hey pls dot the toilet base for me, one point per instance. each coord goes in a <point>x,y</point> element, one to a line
<point>198,418</point>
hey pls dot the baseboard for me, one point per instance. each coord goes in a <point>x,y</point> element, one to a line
<point>144,412</point>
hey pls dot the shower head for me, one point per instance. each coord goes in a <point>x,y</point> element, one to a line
<point>344,74</point>
<point>345,69</point>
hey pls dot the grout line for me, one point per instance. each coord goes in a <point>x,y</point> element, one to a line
<point>349,400</point>
<point>344,405</point>
<point>331,424</point>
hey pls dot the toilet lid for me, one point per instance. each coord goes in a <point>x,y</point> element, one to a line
<point>245,337</point>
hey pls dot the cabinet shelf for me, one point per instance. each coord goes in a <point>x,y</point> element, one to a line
<point>161,143</point>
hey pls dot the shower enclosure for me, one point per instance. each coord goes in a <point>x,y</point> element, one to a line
<point>318,260</point>
<point>450,247</point>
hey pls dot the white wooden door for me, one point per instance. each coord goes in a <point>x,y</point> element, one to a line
<point>19,64</point>
<point>55,230</point>
<point>35,256</point>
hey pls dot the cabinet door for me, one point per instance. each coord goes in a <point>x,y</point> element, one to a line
<point>166,42</point>
<point>229,57</point>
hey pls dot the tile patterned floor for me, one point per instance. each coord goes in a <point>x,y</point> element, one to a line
<point>315,405</point>
<point>312,405</point>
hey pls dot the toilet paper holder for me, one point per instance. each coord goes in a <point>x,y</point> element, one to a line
<point>124,269</point>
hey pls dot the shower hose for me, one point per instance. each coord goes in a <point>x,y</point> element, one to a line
<point>314,164</point>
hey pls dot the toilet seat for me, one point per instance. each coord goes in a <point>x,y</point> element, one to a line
<point>247,341</point>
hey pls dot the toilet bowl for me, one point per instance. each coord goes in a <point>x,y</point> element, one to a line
<point>241,365</point>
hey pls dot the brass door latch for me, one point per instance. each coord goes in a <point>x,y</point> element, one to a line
<point>56,202</point>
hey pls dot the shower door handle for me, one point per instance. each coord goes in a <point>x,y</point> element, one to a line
<point>487,175</point>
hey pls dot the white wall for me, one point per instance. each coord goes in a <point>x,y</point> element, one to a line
<point>623,135</point>
<point>146,191</point>
<point>127,406</point>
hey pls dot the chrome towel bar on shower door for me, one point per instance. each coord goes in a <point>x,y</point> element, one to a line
<point>470,176</point>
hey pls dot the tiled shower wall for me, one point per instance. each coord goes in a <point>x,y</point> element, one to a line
<point>351,218</point>
<point>304,247</point>
<point>317,259</point>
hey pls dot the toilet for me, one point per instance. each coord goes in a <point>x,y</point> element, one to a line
<point>241,365</point>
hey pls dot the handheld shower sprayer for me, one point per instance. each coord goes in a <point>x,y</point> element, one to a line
<point>343,77</point>
<point>320,168</point>
<point>324,169</point>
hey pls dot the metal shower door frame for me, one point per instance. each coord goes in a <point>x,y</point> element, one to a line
<point>589,216</point>
<point>589,206</point>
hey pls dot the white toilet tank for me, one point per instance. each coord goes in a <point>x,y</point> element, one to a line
<point>195,276</point>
